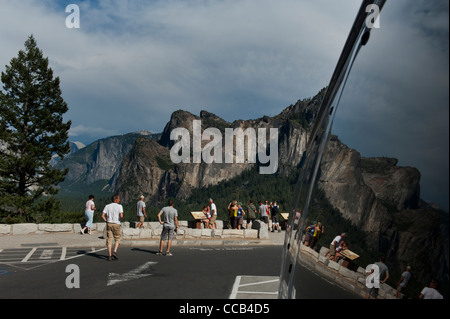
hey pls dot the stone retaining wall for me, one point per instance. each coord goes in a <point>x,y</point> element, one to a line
<point>352,280</point>
<point>151,230</point>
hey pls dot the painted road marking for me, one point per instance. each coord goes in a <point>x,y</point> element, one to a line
<point>255,287</point>
<point>114,278</point>
<point>28,256</point>
<point>63,253</point>
<point>46,254</point>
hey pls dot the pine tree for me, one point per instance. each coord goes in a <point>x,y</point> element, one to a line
<point>32,130</point>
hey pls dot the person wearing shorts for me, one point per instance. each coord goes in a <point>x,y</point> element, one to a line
<point>140,210</point>
<point>168,217</point>
<point>112,213</point>
<point>335,244</point>
<point>213,212</point>
<point>383,275</point>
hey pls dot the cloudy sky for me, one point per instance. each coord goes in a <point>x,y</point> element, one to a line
<point>134,62</point>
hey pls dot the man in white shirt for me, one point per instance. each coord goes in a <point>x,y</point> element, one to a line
<point>431,292</point>
<point>213,212</point>
<point>112,213</point>
<point>335,244</point>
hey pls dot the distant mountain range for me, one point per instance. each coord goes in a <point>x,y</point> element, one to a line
<point>74,147</point>
<point>375,194</point>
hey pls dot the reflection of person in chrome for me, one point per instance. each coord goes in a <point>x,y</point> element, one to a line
<point>403,281</point>
<point>383,276</point>
<point>431,292</point>
<point>297,217</point>
<point>342,246</point>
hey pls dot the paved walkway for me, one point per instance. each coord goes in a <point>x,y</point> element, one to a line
<point>248,287</point>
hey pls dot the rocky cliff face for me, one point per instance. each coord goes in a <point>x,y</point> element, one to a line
<point>383,200</point>
<point>149,170</point>
<point>101,159</point>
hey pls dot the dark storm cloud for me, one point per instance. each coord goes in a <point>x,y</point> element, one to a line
<point>132,63</point>
<point>396,103</point>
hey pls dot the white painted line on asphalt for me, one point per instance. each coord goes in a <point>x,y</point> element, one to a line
<point>46,254</point>
<point>235,289</point>
<point>259,283</point>
<point>237,285</point>
<point>63,253</point>
<point>93,251</point>
<point>257,293</point>
<point>114,278</point>
<point>29,255</point>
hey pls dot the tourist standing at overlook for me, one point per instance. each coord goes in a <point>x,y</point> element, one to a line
<point>383,276</point>
<point>112,213</point>
<point>264,215</point>
<point>274,212</point>
<point>89,213</point>
<point>213,212</point>
<point>251,213</point>
<point>140,210</point>
<point>169,221</point>
<point>403,281</point>
<point>318,231</point>
<point>309,234</point>
<point>240,216</point>
<point>232,209</point>
<point>431,292</point>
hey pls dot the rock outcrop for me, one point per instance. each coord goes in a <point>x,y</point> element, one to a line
<point>101,159</point>
<point>383,200</point>
<point>149,170</point>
